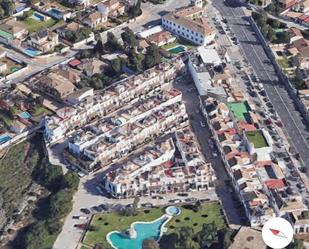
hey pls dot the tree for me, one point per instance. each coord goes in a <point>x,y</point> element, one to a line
<point>31,2</point>
<point>286,37</point>
<point>48,175</point>
<point>271,35</point>
<point>150,244</point>
<point>8,6</point>
<point>185,239</point>
<point>276,24</point>
<point>135,204</point>
<point>135,60</point>
<point>60,203</point>
<point>36,235</point>
<point>99,48</point>
<point>297,244</point>
<point>128,38</point>
<point>70,180</point>
<point>112,42</point>
<point>135,10</point>
<point>208,235</point>
<point>152,57</point>
<point>53,226</point>
<point>2,13</point>
<point>116,66</point>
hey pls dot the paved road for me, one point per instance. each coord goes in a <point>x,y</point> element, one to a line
<point>87,196</point>
<point>36,65</point>
<point>294,124</point>
<point>151,16</point>
<point>191,100</point>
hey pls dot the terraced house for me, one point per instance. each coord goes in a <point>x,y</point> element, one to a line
<point>261,179</point>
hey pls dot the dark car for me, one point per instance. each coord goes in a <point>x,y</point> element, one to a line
<point>103,206</point>
<point>85,210</point>
<point>183,194</point>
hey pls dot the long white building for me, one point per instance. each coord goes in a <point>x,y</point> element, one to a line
<point>190,24</point>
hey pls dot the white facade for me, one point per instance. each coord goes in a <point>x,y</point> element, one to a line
<point>187,33</point>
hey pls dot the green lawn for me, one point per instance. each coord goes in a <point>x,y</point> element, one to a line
<point>211,210</point>
<point>240,110</point>
<point>105,223</point>
<point>257,138</point>
<point>34,25</point>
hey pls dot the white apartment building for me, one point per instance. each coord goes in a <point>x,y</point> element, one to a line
<point>156,169</point>
<point>189,24</point>
<point>120,141</point>
<point>122,93</point>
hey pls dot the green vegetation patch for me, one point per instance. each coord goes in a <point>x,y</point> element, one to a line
<point>102,224</point>
<point>16,168</point>
<point>257,138</point>
<point>240,110</point>
<point>33,25</point>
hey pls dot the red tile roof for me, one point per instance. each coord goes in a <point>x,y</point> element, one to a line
<point>245,126</point>
<point>74,62</point>
<point>275,183</point>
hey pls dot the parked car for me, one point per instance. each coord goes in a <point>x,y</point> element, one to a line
<point>191,199</point>
<point>85,210</point>
<point>147,205</point>
<point>103,206</point>
<point>175,201</point>
<point>214,154</point>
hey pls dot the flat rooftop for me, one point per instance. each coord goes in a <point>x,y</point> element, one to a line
<point>240,110</point>
<point>257,138</point>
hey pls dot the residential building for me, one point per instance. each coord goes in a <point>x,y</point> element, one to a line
<point>44,40</point>
<point>92,66</point>
<point>156,168</point>
<point>13,30</point>
<point>84,3</point>
<point>116,96</point>
<point>189,24</point>
<point>286,4</point>
<point>56,85</point>
<point>95,19</point>
<point>161,38</point>
<point>113,8</point>
<point>260,178</point>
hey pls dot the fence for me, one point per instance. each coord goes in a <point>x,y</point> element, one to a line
<point>282,77</point>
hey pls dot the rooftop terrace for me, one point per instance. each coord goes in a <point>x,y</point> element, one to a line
<point>257,138</point>
<point>240,110</point>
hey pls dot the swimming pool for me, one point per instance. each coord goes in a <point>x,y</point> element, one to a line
<point>4,138</point>
<point>55,13</point>
<point>144,230</point>
<point>25,115</point>
<point>177,50</point>
<point>173,211</point>
<point>32,52</point>
<point>37,16</point>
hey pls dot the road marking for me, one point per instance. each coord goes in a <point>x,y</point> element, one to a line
<point>274,86</point>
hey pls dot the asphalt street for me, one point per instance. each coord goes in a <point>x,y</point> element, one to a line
<point>203,134</point>
<point>254,52</point>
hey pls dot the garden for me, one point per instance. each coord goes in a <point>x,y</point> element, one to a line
<point>192,218</point>
<point>35,21</point>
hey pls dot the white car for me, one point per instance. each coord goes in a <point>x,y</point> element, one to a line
<point>215,154</point>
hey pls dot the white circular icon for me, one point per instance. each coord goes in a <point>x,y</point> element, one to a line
<point>277,233</point>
